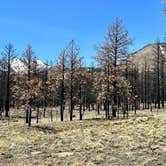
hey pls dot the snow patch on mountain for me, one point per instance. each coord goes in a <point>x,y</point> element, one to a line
<point>40,64</point>
<point>18,66</point>
<point>163,50</point>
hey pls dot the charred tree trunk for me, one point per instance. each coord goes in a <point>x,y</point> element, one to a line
<point>7,92</point>
<point>158,75</point>
<point>114,108</point>
<point>51,115</point>
<point>71,99</point>
<point>62,100</point>
<point>80,98</point>
<point>27,115</point>
<point>162,80</point>
<point>98,108</point>
<point>145,84</point>
<point>37,115</point>
<point>30,117</point>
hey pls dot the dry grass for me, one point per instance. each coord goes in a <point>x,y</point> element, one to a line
<point>138,141</point>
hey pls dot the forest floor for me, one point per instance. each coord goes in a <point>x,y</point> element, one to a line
<point>137,141</point>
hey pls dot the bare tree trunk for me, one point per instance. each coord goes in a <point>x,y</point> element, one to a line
<point>62,99</point>
<point>51,115</point>
<point>162,80</point>
<point>80,99</point>
<point>30,117</point>
<point>98,108</point>
<point>158,75</point>
<point>71,102</point>
<point>27,115</point>
<point>37,116</point>
<point>44,112</point>
<point>127,108</point>
<point>7,93</point>
<point>145,84</point>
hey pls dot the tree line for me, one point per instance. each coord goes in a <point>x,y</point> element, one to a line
<point>115,85</point>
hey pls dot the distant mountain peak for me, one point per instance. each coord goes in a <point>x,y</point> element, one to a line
<point>147,53</point>
<point>18,66</point>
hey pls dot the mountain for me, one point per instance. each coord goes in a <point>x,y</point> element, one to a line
<point>17,65</point>
<point>146,53</point>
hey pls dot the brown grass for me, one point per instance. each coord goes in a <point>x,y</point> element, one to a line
<point>140,140</point>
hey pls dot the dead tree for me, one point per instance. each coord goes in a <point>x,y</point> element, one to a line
<point>73,62</point>
<point>62,70</point>
<point>8,55</point>
<point>28,59</point>
<point>117,41</point>
<point>157,60</point>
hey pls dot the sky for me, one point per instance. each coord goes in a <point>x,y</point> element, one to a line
<point>49,25</point>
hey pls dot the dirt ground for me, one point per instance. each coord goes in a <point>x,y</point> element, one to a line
<point>137,141</point>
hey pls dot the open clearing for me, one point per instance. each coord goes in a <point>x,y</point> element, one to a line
<point>140,140</point>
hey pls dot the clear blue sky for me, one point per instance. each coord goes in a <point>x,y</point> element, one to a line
<point>50,24</point>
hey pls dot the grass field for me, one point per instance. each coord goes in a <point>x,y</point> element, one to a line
<point>139,140</point>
